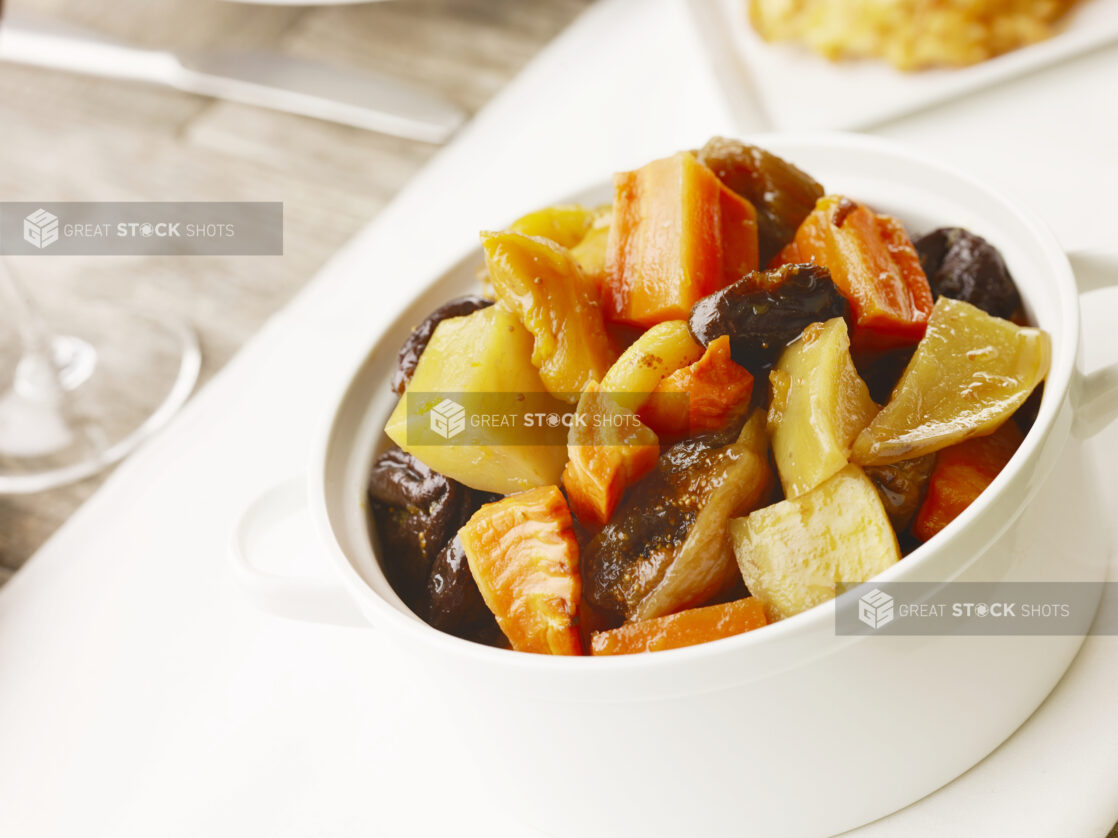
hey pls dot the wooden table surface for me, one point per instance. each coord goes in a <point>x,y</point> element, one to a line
<point>70,138</point>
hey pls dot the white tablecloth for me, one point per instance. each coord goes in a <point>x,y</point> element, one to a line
<point>141,695</point>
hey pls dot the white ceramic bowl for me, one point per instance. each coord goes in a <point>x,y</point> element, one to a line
<point>788,730</point>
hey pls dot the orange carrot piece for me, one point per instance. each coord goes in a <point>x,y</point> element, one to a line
<point>962,472</point>
<point>740,253</point>
<point>687,628</point>
<point>715,387</point>
<point>678,234</point>
<point>609,449</point>
<point>523,555</point>
<point>873,264</point>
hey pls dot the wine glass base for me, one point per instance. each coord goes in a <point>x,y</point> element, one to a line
<point>121,375</point>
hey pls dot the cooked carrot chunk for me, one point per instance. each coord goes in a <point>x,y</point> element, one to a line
<point>874,265</point>
<point>678,234</point>
<point>714,386</point>
<point>962,472</point>
<point>523,555</point>
<point>609,449</point>
<point>687,628</point>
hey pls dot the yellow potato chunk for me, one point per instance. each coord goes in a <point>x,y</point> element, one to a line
<point>472,360</point>
<point>971,371</point>
<point>794,554</point>
<point>819,405</point>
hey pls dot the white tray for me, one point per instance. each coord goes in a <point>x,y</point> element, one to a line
<point>795,88</point>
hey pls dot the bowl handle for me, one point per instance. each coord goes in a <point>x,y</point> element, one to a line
<point>1097,405</point>
<point>275,531</point>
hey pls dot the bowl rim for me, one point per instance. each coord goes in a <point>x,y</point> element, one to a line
<point>1057,387</point>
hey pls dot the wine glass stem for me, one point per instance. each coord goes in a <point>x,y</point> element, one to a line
<point>36,341</point>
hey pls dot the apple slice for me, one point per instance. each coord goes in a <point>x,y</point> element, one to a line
<point>524,557</point>
<point>970,373</point>
<point>794,554</point>
<point>819,405</point>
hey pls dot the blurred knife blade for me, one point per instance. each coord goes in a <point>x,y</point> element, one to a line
<point>269,80</point>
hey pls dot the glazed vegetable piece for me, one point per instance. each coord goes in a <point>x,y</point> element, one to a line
<point>677,235</point>
<point>763,312</point>
<point>608,449</point>
<point>819,405</point>
<point>417,341</point>
<point>873,263</point>
<point>485,353</point>
<point>415,511</point>
<point>687,628</point>
<point>523,555</point>
<point>454,603</point>
<point>540,282</point>
<point>962,472</point>
<point>969,374</point>
<point>666,547</point>
<point>781,193</point>
<point>901,486</point>
<point>702,396</point>
<point>651,358</point>
<point>964,266</point>
<point>794,554</point>
<point>566,224</point>
<point>590,252</point>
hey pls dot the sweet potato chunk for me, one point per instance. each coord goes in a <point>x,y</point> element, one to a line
<point>540,282</point>
<point>962,472</point>
<point>687,628</point>
<point>715,389</point>
<point>678,234</point>
<point>523,555</point>
<point>609,449</point>
<point>873,263</point>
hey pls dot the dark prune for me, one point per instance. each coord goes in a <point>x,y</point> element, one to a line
<point>666,547</point>
<point>454,603</point>
<point>415,511</point>
<point>901,486</point>
<point>782,194</point>
<point>966,267</point>
<point>882,370</point>
<point>417,341</point>
<point>765,311</point>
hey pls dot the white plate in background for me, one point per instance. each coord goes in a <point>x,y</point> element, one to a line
<point>306,2</point>
<point>796,88</point>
